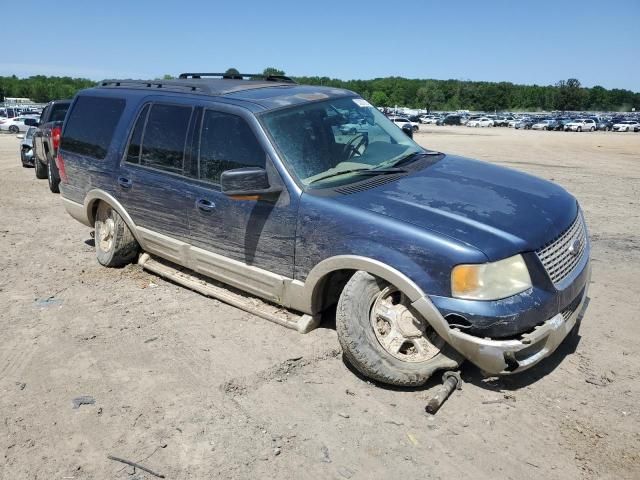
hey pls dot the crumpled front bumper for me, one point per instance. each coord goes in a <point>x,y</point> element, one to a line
<point>507,356</point>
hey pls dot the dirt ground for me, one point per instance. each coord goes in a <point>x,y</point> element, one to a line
<point>194,389</point>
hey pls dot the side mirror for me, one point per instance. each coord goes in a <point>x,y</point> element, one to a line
<point>20,137</point>
<point>246,183</point>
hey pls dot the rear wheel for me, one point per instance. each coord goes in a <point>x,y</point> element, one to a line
<point>383,337</point>
<point>115,244</point>
<point>41,169</point>
<point>53,176</point>
<point>13,129</point>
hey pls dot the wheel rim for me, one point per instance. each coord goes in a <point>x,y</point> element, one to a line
<point>106,230</point>
<point>400,332</point>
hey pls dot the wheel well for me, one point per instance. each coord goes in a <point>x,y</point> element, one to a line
<point>93,210</point>
<point>328,290</point>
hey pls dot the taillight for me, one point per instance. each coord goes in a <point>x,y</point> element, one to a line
<point>55,137</point>
<point>61,170</point>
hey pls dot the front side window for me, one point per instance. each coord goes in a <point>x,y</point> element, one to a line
<point>164,137</point>
<point>91,125</point>
<point>328,143</point>
<point>226,142</point>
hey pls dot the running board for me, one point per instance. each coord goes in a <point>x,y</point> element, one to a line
<point>301,323</point>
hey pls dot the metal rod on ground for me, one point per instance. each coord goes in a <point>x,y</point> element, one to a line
<point>450,382</point>
<point>135,465</point>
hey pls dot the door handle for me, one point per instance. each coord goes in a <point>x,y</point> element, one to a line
<point>205,205</point>
<point>124,182</point>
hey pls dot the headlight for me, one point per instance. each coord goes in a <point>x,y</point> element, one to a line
<point>490,281</point>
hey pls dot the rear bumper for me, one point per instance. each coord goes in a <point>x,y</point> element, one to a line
<point>76,210</point>
<point>513,355</point>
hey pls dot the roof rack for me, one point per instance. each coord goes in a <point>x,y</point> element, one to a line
<point>182,86</point>
<point>241,76</point>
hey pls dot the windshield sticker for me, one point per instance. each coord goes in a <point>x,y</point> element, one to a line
<point>361,102</point>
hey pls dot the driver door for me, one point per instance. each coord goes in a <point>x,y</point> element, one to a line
<point>247,242</point>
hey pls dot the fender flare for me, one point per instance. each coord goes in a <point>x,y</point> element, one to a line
<point>95,195</point>
<point>311,292</point>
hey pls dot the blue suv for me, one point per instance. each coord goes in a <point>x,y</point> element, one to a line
<point>256,182</point>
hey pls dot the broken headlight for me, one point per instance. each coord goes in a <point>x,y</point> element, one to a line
<point>490,281</point>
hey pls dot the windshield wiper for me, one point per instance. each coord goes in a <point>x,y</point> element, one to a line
<point>409,157</point>
<point>360,171</point>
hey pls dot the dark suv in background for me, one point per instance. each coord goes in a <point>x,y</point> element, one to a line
<point>46,141</point>
<point>450,120</point>
<point>428,258</point>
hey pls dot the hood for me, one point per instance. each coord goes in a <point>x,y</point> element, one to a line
<point>495,209</point>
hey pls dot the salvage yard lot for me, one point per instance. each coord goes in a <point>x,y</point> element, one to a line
<point>193,388</point>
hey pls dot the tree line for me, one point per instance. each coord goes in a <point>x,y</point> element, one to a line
<point>450,95</point>
<point>41,88</point>
<point>565,95</point>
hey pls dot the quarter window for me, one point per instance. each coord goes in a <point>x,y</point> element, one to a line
<point>91,124</point>
<point>227,142</point>
<point>164,137</point>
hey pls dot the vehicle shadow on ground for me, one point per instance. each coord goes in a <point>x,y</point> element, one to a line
<point>434,380</point>
<point>473,375</point>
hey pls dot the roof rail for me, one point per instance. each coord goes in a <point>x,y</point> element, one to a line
<point>241,76</point>
<point>182,86</point>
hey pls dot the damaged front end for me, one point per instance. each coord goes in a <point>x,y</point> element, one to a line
<point>512,334</point>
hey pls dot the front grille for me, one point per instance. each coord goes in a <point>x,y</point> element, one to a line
<point>564,253</point>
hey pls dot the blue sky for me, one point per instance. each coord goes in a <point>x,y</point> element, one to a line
<point>519,41</point>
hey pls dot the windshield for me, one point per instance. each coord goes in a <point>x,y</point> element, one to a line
<point>320,140</point>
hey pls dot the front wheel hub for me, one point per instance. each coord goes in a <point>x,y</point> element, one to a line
<point>400,330</point>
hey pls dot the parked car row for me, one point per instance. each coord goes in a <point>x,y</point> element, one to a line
<point>537,122</point>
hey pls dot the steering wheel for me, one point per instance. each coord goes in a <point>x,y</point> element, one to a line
<point>354,145</point>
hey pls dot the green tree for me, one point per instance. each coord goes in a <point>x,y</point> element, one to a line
<point>380,99</point>
<point>232,73</point>
<point>272,71</point>
<point>430,96</point>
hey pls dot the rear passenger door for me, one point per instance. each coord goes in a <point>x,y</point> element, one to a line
<point>151,180</point>
<point>251,233</point>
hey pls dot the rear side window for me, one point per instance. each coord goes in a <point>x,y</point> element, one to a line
<point>91,125</point>
<point>59,110</point>
<point>133,152</point>
<point>164,137</point>
<point>227,142</point>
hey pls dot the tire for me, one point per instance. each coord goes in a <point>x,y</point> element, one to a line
<point>361,345</point>
<point>592,129</point>
<point>415,128</point>
<point>579,129</point>
<point>23,160</point>
<point>53,176</point>
<point>41,169</point>
<point>115,244</point>
<point>13,129</point>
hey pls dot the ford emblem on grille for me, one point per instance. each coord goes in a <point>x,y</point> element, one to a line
<point>574,248</point>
